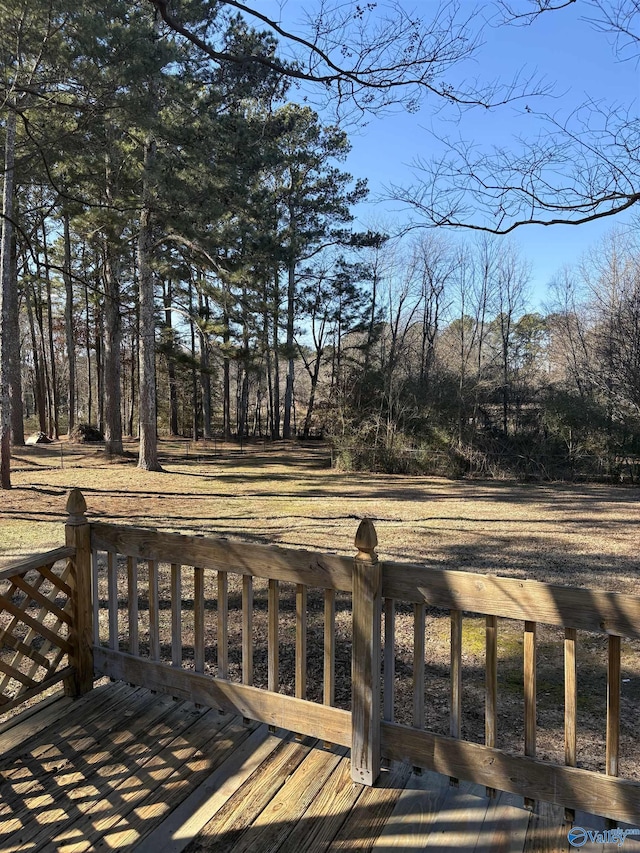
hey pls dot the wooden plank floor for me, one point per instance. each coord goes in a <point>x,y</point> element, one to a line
<point>126,769</point>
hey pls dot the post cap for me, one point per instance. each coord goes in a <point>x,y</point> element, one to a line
<point>366,540</point>
<point>76,507</point>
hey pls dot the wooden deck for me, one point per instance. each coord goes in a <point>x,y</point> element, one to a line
<point>123,768</point>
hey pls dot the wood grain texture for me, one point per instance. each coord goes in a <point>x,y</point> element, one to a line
<point>124,769</point>
<point>247,629</point>
<point>176,614</point>
<point>326,814</point>
<point>299,789</point>
<point>198,618</point>
<point>273,637</point>
<point>613,706</point>
<point>375,805</point>
<point>570,696</point>
<point>460,821</point>
<point>237,815</point>
<point>505,825</point>
<point>223,624</point>
<point>301,642</point>
<point>320,721</point>
<point>414,815</point>
<point>132,605</point>
<point>327,571</point>
<point>530,696</point>
<point>586,609</point>
<point>455,696</point>
<point>112,598</point>
<point>95,599</point>
<point>572,787</point>
<point>570,704</point>
<point>184,823</point>
<point>389,660</point>
<point>419,619</point>
<point>21,567</point>
<point>154,611</point>
<point>329,648</point>
<point>367,617</point>
<point>491,680</point>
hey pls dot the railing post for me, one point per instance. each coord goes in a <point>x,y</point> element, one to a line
<point>78,535</point>
<point>365,669</point>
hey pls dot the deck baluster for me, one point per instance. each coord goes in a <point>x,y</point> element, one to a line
<point>419,614</point>
<point>154,612</point>
<point>198,618</point>
<point>455,699</point>
<point>491,686</point>
<point>112,598</point>
<point>132,605</point>
<point>530,697</point>
<point>95,603</point>
<point>247,629</point>
<point>176,614</point>
<point>329,673</point>
<point>389,667</point>
<point>301,641</point>
<point>223,625</point>
<point>273,641</point>
<point>570,705</point>
<point>613,705</point>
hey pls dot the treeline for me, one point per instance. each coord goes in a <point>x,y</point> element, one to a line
<point>179,257</point>
<point>462,377</point>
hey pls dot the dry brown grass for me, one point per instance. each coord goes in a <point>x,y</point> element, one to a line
<point>579,535</point>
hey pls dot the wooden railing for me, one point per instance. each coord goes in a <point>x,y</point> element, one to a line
<point>177,614</point>
<point>503,602</point>
<point>168,584</point>
<point>36,617</point>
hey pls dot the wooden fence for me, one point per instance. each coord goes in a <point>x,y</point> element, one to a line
<point>158,609</point>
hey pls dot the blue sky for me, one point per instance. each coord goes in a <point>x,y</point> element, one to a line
<point>562,47</point>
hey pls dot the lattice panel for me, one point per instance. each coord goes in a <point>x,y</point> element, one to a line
<point>35,621</point>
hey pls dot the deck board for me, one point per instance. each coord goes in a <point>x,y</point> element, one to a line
<point>125,769</point>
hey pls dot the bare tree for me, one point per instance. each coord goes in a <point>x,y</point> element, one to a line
<point>365,57</point>
<point>512,277</point>
<point>564,167</point>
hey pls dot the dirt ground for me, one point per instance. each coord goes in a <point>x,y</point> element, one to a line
<point>582,535</point>
<point>578,535</point>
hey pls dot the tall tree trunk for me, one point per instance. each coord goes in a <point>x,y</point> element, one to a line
<point>147,405</point>
<point>205,375</point>
<point>243,400</point>
<point>267,356</point>
<point>54,429</point>
<point>313,375</point>
<point>15,360</point>
<point>111,355</point>
<point>275,428</point>
<point>8,334</point>
<point>194,374</point>
<point>226,380</point>
<point>88,353</point>
<point>288,394</point>
<point>68,317</point>
<point>171,363</point>
<point>135,356</point>
<point>39,387</point>
<point>99,347</point>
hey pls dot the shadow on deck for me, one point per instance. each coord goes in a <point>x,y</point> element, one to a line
<point>123,768</point>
